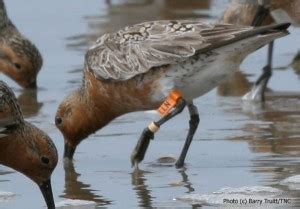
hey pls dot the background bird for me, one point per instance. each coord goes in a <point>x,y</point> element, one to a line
<point>19,58</point>
<point>258,13</point>
<point>24,147</point>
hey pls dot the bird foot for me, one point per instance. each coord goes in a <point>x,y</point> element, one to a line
<point>257,93</point>
<point>179,164</point>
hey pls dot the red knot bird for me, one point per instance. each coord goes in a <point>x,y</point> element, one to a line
<point>160,64</point>
<point>258,13</point>
<point>24,147</point>
<point>19,58</point>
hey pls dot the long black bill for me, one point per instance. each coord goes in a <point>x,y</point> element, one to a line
<point>32,85</point>
<point>46,190</point>
<point>69,152</point>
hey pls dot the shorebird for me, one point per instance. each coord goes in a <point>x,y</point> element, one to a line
<point>258,13</point>
<point>24,147</point>
<point>160,64</point>
<point>19,58</point>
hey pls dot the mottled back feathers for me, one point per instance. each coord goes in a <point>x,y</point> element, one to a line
<point>136,49</point>
<point>10,113</point>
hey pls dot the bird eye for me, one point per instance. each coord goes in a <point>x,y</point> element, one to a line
<point>58,120</point>
<point>45,160</point>
<point>17,65</point>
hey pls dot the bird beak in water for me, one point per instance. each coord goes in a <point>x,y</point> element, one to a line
<point>47,193</point>
<point>32,85</point>
<point>69,152</point>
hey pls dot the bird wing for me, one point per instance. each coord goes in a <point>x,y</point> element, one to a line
<point>10,113</point>
<point>136,49</point>
<point>6,125</point>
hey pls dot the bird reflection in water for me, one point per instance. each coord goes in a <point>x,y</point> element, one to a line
<point>141,188</point>
<point>143,192</point>
<point>185,180</point>
<point>273,134</point>
<point>275,126</point>
<point>29,103</point>
<point>75,189</point>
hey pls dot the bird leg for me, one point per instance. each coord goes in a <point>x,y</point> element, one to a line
<point>194,121</point>
<point>257,92</point>
<point>140,149</point>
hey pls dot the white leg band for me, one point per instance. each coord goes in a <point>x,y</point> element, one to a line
<point>153,128</point>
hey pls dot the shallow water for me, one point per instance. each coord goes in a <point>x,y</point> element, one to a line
<point>237,145</point>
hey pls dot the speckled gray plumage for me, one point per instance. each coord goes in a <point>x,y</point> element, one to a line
<point>136,49</point>
<point>8,104</point>
<point>14,122</point>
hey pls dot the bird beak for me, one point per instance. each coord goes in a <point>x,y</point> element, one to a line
<point>69,152</point>
<point>47,193</point>
<point>32,85</point>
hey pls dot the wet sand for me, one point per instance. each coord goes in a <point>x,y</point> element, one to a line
<point>237,144</point>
